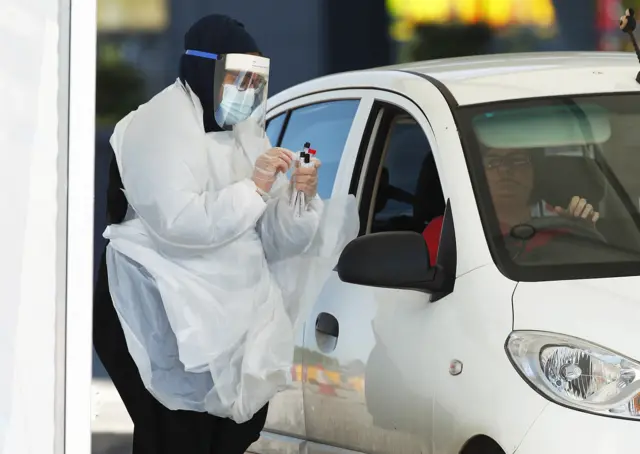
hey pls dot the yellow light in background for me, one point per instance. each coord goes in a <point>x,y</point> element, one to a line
<point>467,11</point>
<point>543,13</point>
<point>521,14</point>
<point>402,30</point>
<point>432,11</point>
<point>132,15</point>
<point>497,13</point>
<point>421,11</point>
<point>440,10</point>
<point>394,7</point>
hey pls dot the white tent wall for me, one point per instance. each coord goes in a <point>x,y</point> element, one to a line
<point>46,196</point>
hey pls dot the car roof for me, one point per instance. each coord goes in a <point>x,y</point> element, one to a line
<point>491,78</point>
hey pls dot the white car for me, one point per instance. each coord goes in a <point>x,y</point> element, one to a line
<point>522,336</point>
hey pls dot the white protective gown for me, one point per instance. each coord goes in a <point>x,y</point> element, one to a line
<point>209,281</point>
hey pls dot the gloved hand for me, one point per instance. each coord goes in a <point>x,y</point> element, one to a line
<point>268,165</point>
<point>306,178</point>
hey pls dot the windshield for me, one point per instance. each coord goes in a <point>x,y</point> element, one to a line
<point>558,184</point>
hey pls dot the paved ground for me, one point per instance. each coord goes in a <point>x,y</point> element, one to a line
<point>111,425</point>
<point>111,444</point>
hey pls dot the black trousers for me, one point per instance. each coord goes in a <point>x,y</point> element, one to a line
<point>158,430</point>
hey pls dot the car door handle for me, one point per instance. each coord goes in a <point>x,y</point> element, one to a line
<point>327,324</point>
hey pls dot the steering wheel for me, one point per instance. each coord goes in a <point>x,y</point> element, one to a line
<point>575,225</point>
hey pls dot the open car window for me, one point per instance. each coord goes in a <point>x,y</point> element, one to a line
<point>557,184</point>
<point>408,193</point>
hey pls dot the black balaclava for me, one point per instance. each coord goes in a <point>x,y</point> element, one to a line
<point>217,34</point>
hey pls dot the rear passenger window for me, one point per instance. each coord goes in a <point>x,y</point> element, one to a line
<point>274,128</point>
<point>326,126</point>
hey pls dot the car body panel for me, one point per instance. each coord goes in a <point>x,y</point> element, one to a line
<point>559,429</point>
<point>602,311</point>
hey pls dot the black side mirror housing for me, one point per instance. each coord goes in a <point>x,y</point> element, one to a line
<point>388,259</point>
<point>400,260</point>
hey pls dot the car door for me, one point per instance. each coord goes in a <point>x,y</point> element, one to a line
<point>331,122</point>
<point>367,386</point>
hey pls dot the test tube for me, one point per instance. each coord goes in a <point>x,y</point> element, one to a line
<point>299,156</point>
<point>301,202</point>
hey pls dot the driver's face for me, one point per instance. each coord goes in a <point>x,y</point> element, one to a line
<point>510,176</point>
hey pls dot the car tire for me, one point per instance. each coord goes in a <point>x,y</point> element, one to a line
<point>482,444</point>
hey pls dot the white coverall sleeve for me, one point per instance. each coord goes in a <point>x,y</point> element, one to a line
<point>284,235</point>
<point>167,182</point>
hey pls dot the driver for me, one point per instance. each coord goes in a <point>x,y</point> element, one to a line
<point>510,177</point>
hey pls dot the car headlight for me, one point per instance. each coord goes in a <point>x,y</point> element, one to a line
<point>577,373</point>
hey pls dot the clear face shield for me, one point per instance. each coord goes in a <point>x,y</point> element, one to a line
<point>240,87</point>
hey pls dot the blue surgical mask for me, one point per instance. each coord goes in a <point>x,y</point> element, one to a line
<point>236,105</point>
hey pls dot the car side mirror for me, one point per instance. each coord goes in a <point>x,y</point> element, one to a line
<point>400,260</point>
<point>389,259</point>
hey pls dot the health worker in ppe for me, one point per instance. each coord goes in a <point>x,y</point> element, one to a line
<point>206,273</point>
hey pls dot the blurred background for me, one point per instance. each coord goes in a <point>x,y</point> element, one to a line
<point>140,42</point>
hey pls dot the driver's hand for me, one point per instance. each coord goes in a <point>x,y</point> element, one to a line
<point>579,208</point>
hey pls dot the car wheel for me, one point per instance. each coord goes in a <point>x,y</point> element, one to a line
<point>481,444</point>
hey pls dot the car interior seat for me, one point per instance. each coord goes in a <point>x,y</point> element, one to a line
<point>557,179</point>
<point>427,201</point>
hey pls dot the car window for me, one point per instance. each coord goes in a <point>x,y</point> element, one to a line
<point>556,184</point>
<point>274,127</point>
<point>408,192</point>
<point>326,126</point>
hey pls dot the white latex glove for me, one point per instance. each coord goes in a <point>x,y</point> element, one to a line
<point>268,165</point>
<point>306,178</point>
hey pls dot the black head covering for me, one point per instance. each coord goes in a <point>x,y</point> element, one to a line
<point>217,34</point>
